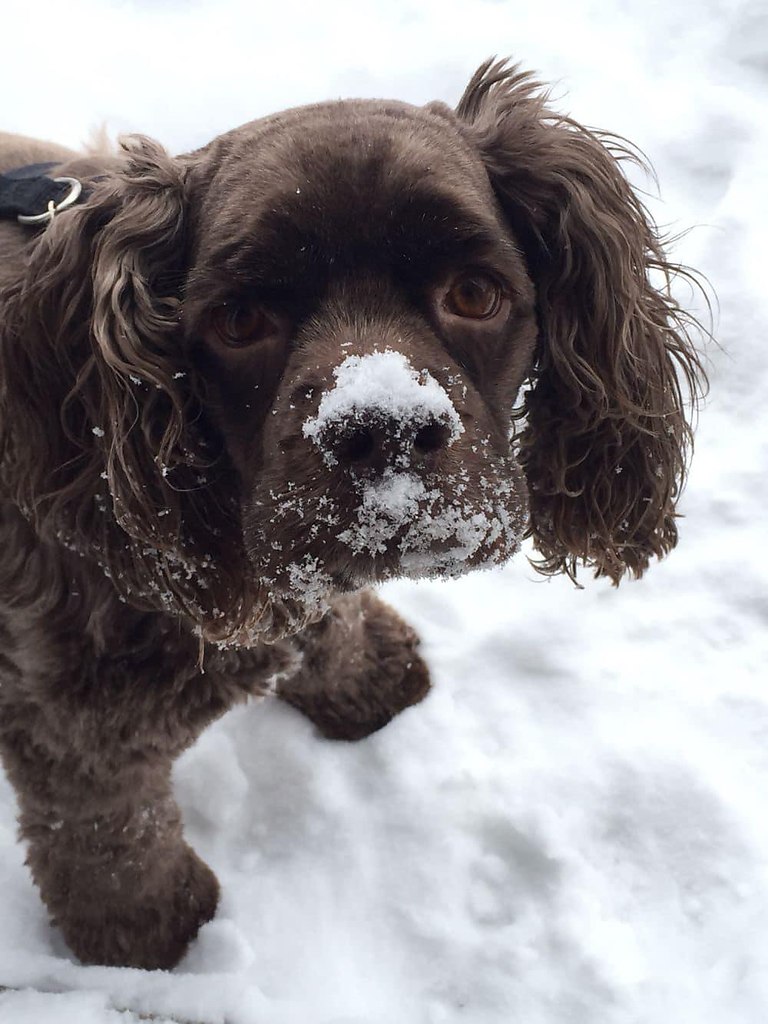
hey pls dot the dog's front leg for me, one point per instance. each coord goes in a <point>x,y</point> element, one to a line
<point>89,753</point>
<point>106,847</point>
<point>88,740</point>
<point>360,668</point>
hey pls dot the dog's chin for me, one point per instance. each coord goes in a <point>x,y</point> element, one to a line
<point>297,587</point>
<point>310,577</point>
<point>307,546</point>
<point>271,616</point>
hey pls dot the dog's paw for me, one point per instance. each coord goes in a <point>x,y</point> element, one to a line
<point>151,929</point>
<point>341,718</point>
<point>381,676</point>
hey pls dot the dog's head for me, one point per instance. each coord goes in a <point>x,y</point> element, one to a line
<point>348,342</point>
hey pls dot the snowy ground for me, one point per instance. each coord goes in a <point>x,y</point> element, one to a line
<point>572,828</point>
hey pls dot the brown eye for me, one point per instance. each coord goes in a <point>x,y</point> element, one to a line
<point>474,295</point>
<point>238,325</point>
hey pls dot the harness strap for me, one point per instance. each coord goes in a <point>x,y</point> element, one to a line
<point>28,195</point>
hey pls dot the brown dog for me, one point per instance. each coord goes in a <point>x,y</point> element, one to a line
<point>240,385</point>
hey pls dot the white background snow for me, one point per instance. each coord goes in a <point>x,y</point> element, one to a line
<point>572,829</point>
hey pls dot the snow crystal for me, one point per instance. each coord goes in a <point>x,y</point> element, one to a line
<point>310,582</point>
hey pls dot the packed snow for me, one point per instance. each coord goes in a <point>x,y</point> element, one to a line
<point>571,828</point>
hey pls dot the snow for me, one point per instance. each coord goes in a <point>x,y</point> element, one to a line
<point>382,386</point>
<point>572,827</point>
<point>437,530</point>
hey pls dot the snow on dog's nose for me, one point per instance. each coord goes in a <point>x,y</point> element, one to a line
<point>382,414</point>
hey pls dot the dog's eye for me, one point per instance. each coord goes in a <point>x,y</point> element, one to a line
<point>474,295</point>
<point>238,326</point>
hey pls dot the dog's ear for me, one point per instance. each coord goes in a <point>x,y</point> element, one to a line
<point>91,386</point>
<point>605,437</point>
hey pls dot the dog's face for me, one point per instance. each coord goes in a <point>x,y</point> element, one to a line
<point>289,364</point>
<point>364,319</point>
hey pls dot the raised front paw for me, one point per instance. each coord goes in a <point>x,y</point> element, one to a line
<point>361,669</point>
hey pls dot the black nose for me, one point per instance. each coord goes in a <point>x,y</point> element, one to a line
<point>382,443</point>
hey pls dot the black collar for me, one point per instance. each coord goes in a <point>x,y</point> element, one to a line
<point>29,196</point>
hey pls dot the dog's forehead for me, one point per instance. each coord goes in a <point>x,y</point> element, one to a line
<point>346,162</point>
<point>348,134</point>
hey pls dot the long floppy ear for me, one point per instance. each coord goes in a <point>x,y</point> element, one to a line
<point>605,437</point>
<point>94,407</point>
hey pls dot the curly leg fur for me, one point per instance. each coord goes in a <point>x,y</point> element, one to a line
<point>360,669</point>
<point>105,839</point>
<point>112,865</point>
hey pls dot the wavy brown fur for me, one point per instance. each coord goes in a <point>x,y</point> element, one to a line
<point>605,436</point>
<point>171,539</point>
<point>92,333</point>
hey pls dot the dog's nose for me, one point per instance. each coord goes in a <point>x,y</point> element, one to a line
<point>383,414</point>
<point>382,443</point>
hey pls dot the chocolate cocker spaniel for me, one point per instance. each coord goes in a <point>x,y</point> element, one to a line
<point>345,343</point>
